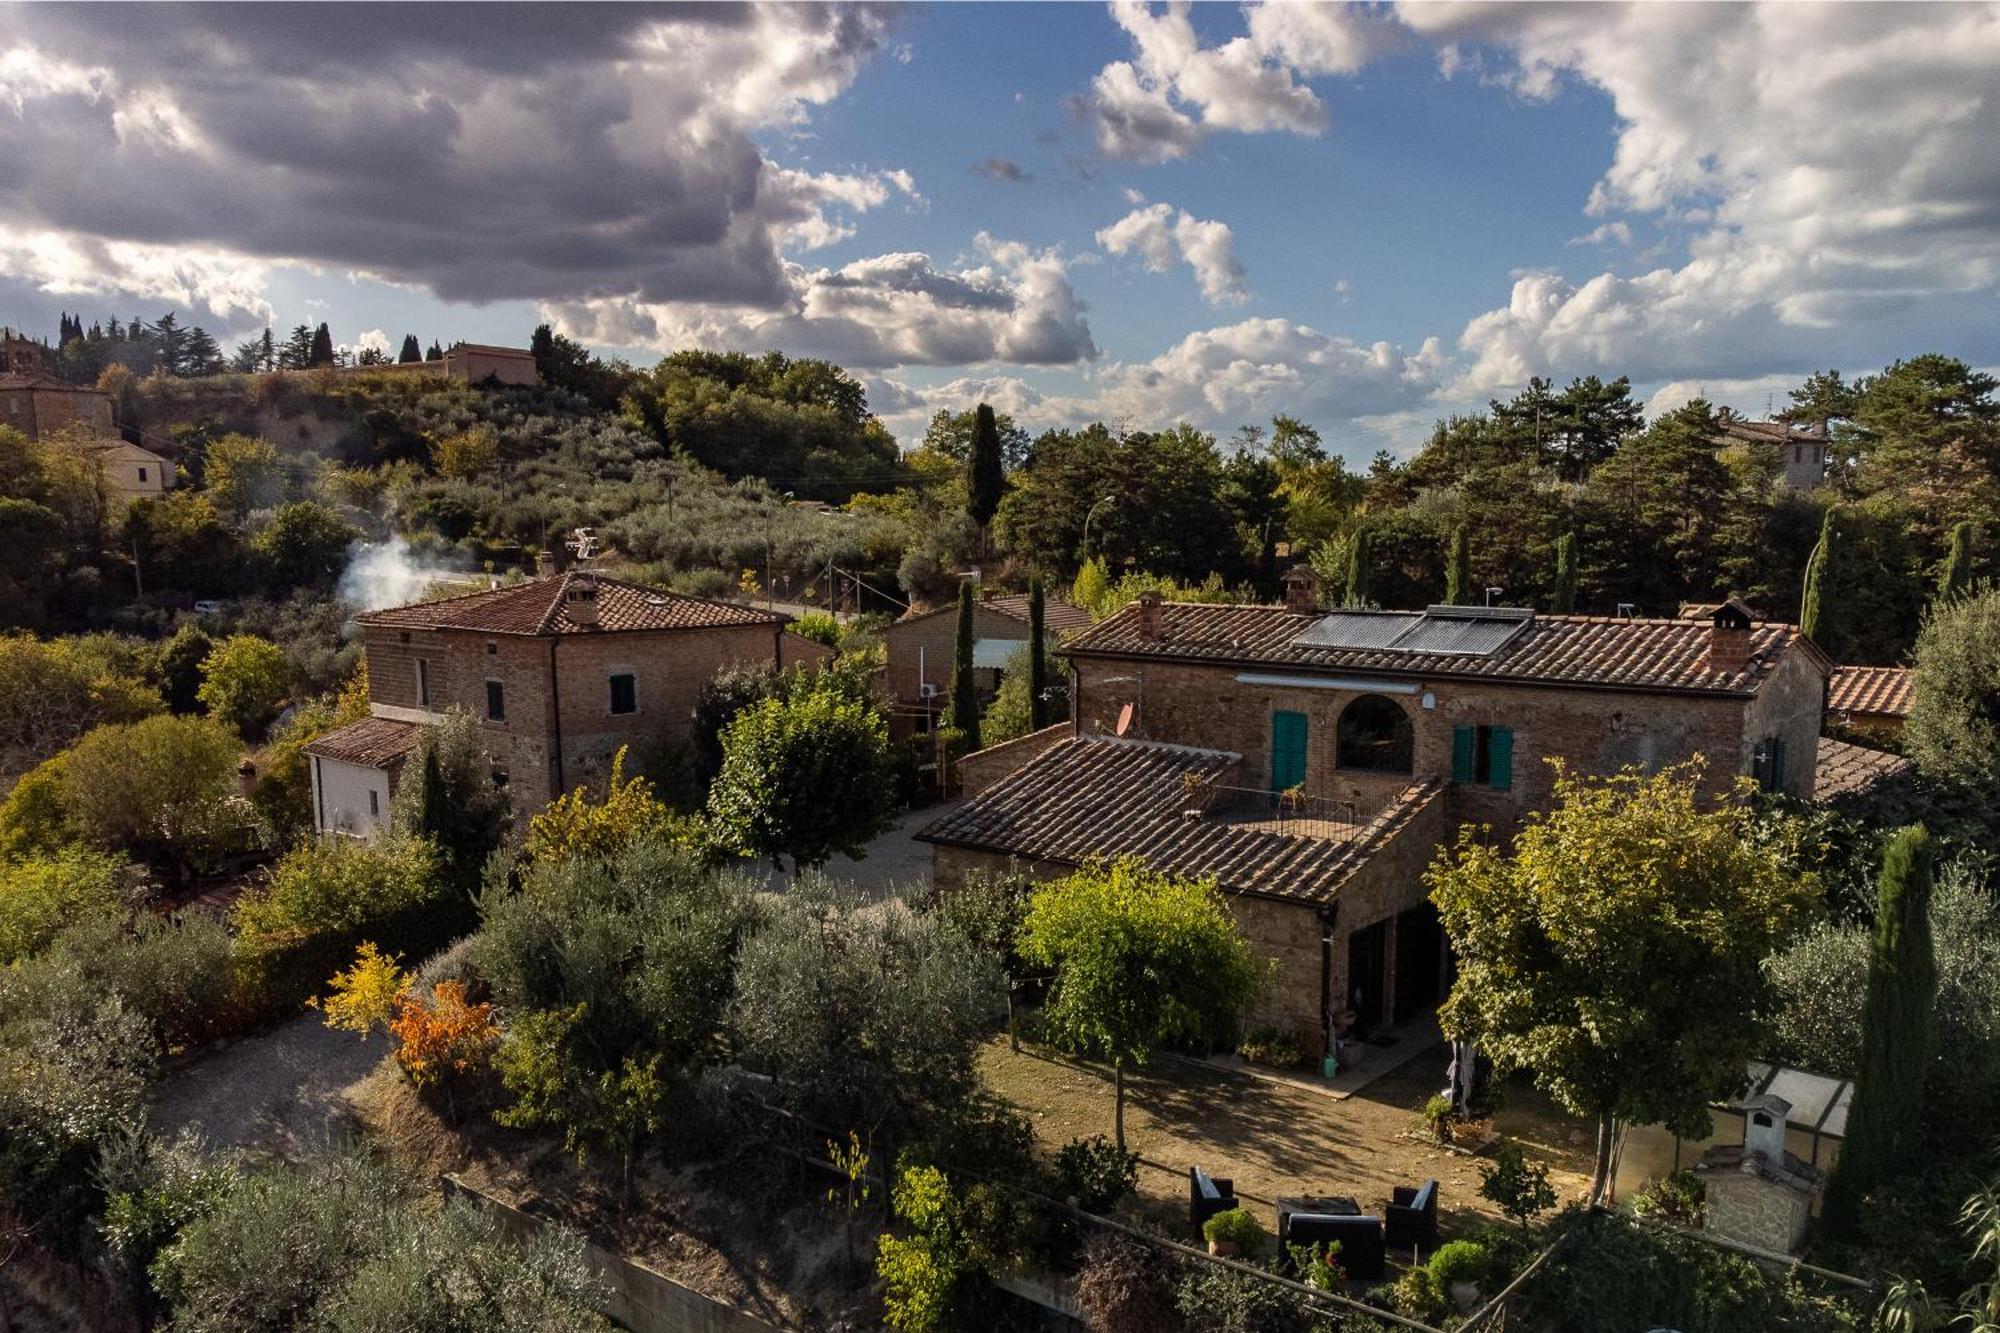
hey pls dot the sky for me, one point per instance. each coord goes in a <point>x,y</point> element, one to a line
<point>1365,217</point>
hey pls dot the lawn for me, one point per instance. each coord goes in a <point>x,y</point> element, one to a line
<point>1273,1139</point>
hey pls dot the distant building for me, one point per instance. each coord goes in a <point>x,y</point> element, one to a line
<point>470,363</point>
<point>560,672</point>
<point>129,471</point>
<point>36,403</point>
<point>1870,700</point>
<point>921,647</point>
<point>1801,449</point>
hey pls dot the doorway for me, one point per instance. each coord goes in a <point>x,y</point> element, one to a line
<point>1419,960</point>
<point>1367,972</point>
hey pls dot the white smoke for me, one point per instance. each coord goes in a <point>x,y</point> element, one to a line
<point>383,574</point>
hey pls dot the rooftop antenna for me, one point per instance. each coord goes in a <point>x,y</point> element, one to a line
<point>1627,610</point>
<point>1491,593</point>
<point>582,544</point>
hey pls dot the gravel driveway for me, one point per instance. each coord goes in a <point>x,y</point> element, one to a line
<point>895,862</point>
<point>279,1090</point>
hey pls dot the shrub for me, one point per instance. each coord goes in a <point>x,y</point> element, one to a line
<point>923,1274</point>
<point>340,885</point>
<point>1123,1286</point>
<point>1270,1047</point>
<point>1460,1261</point>
<point>577,826</point>
<point>34,821</point>
<point>818,626</point>
<point>442,1037</point>
<point>1678,1198</point>
<point>1418,1295</point>
<point>161,789</point>
<point>363,997</point>
<point>41,895</point>
<point>243,680</point>
<point>1236,1226</point>
<point>153,1189</point>
<point>1517,1184</point>
<point>1096,1172</point>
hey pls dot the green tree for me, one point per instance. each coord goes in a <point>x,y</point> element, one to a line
<point>803,777</point>
<point>31,555</point>
<point>1011,713</point>
<point>985,472</point>
<point>1886,1121</point>
<point>949,436</point>
<point>322,347</point>
<point>243,680</point>
<point>243,473</point>
<point>1615,949</point>
<point>1458,569</point>
<point>160,790</point>
<point>1955,580</point>
<point>1823,399</point>
<point>304,545</point>
<point>923,1273</point>
<point>1038,664</point>
<point>964,695</point>
<point>52,692</point>
<point>1140,959</point>
<point>412,350</point>
<point>1930,426</point>
<point>454,805</point>
<point>295,353</point>
<point>1812,606</point>
<point>1360,559</point>
<point>1953,731</point>
<point>180,541</point>
<point>1564,600</point>
<point>181,661</point>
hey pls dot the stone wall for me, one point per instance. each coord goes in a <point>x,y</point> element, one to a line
<point>982,768</point>
<point>1753,1211</point>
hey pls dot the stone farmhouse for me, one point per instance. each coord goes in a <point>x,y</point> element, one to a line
<point>1870,701</point>
<point>43,407</point>
<point>1312,763</point>
<point>469,363</point>
<point>560,671</point>
<point>920,649</point>
<point>1801,449</point>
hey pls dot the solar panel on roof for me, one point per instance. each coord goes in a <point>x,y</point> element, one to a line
<point>1459,635</point>
<point>1355,629</point>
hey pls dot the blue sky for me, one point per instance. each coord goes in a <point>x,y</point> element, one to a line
<point>1367,217</point>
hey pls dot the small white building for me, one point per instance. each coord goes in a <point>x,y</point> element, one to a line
<point>130,472</point>
<point>354,774</point>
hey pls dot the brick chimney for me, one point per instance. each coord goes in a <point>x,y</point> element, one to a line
<point>580,600</point>
<point>545,565</point>
<point>1149,614</point>
<point>1729,637</point>
<point>1302,591</point>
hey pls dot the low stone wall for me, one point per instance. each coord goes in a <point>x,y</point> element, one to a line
<point>641,1299</point>
<point>982,768</point>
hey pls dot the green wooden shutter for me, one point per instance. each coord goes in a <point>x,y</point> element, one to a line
<point>1777,779</point>
<point>1500,758</point>
<point>1463,739</point>
<point>1288,750</point>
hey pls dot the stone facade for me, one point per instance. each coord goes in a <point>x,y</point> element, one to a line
<point>557,731</point>
<point>920,650</point>
<point>1752,1204</point>
<point>40,408</point>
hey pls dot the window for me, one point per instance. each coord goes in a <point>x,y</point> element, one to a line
<point>1288,751</point>
<point>374,802</point>
<point>1483,756</point>
<point>142,476</point>
<point>624,693</point>
<point>1767,764</point>
<point>496,701</point>
<point>1375,736</point>
<point>423,683</point>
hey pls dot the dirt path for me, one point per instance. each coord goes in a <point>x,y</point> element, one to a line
<point>1275,1140</point>
<point>895,862</point>
<point>278,1091</point>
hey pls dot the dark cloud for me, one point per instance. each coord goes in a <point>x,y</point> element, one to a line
<point>1003,169</point>
<point>481,152</point>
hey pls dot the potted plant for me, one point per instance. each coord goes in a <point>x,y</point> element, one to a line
<point>1317,1267</point>
<point>1232,1232</point>
<point>1459,1266</point>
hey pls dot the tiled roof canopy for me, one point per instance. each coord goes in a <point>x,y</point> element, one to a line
<point>1594,651</point>
<point>1849,770</point>
<point>539,607</point>
<point>1057,617</point>
<point>373,742</point>
<point>1099,796</point>
<point>1862,689</point>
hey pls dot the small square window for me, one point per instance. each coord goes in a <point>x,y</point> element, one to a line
<point>624,693</point>
<point>496,701</point>
<point>492,648</point>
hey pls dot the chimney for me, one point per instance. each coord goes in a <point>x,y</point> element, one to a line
<point>1302,591</point>
<point>1729,637</point>
<point>545,565</point>
<point>1149,614</point>
<point>580,600</point>
<point>1764,1127</point>
<point>246,778</point>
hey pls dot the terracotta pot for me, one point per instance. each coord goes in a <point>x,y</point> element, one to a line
<point>1225,1249</point>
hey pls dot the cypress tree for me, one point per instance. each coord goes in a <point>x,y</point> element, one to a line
<point>1360,555</point>
<point>1885,1122</point>
<point>964,699</point>
<point>435,353</point>
<point>1812,606</point>
<point>1458,570</point>
<point>985,479</point>
<point>411,350</point>
<point>1956,581</point>
<point>322,347</point>
<point>1565,594</point>
<point>1038,666</point>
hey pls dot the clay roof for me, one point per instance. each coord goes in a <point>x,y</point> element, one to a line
<point>373,742</point>
<point>1059,617</point>
<point>1884,691</point>
<point>1774,432</point>
<point>1591,651</point>
<point>44,383</point>
<point>1848,770</point>
<point>1100,796</point>
<point>537,607</point>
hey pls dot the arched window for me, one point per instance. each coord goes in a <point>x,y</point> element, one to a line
<point>1375,735</point>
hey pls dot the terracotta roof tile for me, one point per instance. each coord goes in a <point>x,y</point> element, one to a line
<point>1849,770</point>
<point>1883,691</point>
<point>1663,655</point>
<point>1099,796</point>
<point>373,742</point>
<point>1059,616</point>
<point>537,607</point>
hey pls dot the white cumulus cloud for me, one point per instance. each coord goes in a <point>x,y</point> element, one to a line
<point>1160,236</point>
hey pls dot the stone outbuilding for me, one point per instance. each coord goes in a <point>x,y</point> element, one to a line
<point>1758,1193</point>
<point>1870,701</point>
<point>921,647</point>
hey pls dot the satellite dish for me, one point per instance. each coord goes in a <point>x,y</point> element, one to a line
<point>1124,719</point>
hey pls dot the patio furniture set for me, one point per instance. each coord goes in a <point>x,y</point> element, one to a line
<point>1407,1221</point>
